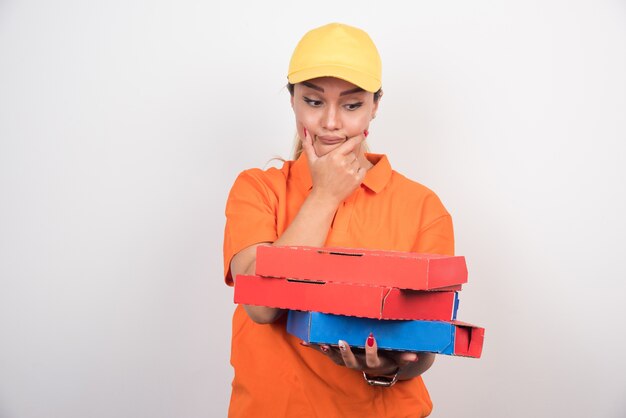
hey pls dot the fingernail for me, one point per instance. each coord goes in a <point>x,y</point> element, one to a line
<point>305,131</point>
<point>415,358</point>
<point>324,349</point>
<point>366,133</point>
<point>370,340</point>
<point>304,343</point>
<point>342,345</point>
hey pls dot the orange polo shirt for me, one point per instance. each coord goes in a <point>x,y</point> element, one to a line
<point>274,375</point>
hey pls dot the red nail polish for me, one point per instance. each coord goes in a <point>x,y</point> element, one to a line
<point>370,340</point>
<point>366,133</point>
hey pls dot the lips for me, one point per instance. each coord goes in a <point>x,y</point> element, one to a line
<point>330,140</point>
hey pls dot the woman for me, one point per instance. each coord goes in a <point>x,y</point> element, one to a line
<point>333,194</point>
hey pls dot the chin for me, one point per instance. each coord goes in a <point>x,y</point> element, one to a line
<point>322,150</point>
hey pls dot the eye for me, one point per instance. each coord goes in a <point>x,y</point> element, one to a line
<point>311,102</point>
<point>353,106</point>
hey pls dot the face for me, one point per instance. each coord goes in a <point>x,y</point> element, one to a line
<point>331,110</point>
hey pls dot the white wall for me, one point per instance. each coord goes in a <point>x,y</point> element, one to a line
<point>124,123</point>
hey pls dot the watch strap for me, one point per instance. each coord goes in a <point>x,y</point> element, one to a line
<point>381,381</point>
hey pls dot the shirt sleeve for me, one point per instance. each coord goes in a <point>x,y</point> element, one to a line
<point>436,234</point>
<point>250,216</point>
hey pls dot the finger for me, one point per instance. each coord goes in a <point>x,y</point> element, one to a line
<point>406,357</point>
<point>333,354</point>
<point>349,145</point>
<point>359,174</point>
<point>307,146</point>
<point>401,359</point>
<point>352,158</point>
<point>347,355</point>
<point>311,346</point>
<point>315,347</point>
<point>322,348</point>
<point>371,352</point>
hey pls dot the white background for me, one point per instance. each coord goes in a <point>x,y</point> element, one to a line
<point>124,123</point>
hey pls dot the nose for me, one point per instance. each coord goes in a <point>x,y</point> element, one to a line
<point>331,118</point>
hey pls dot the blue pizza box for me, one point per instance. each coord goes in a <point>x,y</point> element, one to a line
<point>451,338</point>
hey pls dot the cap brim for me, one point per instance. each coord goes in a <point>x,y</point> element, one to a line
<point>365,81</point>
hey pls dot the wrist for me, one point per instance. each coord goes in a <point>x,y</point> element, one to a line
<point>323,199</point>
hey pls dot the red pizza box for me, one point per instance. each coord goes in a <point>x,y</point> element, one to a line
<point>403,270</point>
<point>451,338</point>
<point>358,300</point>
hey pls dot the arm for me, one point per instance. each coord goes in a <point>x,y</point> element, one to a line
<point>335,176</point>
<point>309,227</point>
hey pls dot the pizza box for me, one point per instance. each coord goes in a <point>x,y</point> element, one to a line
<point>450,338</point>
<point>359,300</point>
<point>403,270</point>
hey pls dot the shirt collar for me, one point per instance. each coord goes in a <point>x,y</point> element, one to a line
<point>379,175</point>
<point>375,179</point>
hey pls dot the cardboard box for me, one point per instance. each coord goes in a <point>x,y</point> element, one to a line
<point>346,299</point>
<point>345,265</point>
<point>451,338</point>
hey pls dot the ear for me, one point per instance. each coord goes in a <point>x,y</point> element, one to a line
<point>291,100</point>
<point>375,107</point>
<point>374,110</point>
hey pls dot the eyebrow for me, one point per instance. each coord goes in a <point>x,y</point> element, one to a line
<point>343,93</point>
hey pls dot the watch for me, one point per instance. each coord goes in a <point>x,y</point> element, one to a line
<point>382,381</point>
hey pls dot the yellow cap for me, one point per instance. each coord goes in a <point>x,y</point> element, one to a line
<point>337,50</point>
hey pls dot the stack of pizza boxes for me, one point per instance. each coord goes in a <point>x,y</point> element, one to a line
<point>407,300</point>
